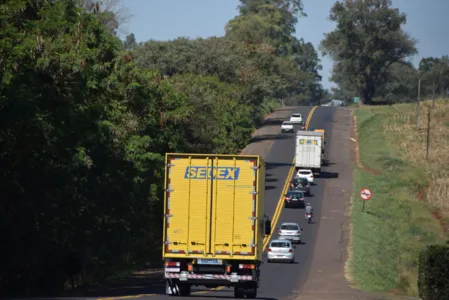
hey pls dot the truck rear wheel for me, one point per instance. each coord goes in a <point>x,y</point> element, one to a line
<point>251,290</point>
<point>184,290</point>
<point>239,292</point>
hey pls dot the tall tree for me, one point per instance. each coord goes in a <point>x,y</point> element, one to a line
<point>129,42</point>
<point>434,73</point>
<point>367,41</point>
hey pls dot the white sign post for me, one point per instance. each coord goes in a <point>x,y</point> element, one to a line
<point>365,194</point>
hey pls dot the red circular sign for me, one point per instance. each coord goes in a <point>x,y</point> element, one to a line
<point>366,194</point>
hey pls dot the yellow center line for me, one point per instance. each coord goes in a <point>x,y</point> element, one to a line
<point>280,204</point>
<point>274,220</point>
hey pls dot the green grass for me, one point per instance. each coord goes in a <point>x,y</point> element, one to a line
<point>395,226</point>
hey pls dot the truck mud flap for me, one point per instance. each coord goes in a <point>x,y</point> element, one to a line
<point>171,288</point>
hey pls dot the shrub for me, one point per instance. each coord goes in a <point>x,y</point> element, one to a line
<point>433,277</point>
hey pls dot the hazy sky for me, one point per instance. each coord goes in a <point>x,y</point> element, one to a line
<point>427,22</point>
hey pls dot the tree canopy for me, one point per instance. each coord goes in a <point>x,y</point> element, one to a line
<point>367,41</point>
<point>85,121</point>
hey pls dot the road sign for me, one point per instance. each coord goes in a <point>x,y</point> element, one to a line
<point>366,194</point>
<point>356,99</point>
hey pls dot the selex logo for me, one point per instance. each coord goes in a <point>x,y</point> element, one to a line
<point>217,173</point>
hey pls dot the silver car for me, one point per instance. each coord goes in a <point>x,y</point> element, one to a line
<point>290,231</point>
<point>281,250</point>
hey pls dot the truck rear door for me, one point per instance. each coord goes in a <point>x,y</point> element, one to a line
<point>188,192</point>
<point>210,205</point>
<point>234,206</point>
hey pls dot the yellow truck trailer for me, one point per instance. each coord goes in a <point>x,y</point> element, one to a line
<point>214,222</point>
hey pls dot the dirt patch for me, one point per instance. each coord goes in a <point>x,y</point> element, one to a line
<point>421,195</point>
<point>356,149</point>
<point>439,217</point>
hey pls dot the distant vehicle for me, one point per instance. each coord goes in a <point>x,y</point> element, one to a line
<point>300,184</point>
<point>323,143</point>
<point>309,150</point>
<point>308,217</point>
<point>335,103</point>
<point>290,231</point>
<point>281,250</point>
<point>296,118</point>
<point>287,126</point>
<point>305,173</point>
<point>294,198</point>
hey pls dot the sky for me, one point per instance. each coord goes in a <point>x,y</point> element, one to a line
<point>427,22</point>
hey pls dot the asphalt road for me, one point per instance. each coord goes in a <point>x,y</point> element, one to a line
<point>283,280</point>
<point>278,280</point>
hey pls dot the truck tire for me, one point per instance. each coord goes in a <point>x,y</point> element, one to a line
<point>239,292</point>
<point>251,290</point>
<point>184,290</point>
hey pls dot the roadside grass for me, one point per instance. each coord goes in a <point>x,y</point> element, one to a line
<point>395,225</point>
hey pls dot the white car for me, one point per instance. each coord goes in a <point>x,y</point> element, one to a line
<point>305,173</point>
<point>287,126</point>
<point>296,118</point>
<point>281,250</point>
<point>290,231</point>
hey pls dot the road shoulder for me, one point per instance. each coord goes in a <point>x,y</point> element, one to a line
<point>327,277</point>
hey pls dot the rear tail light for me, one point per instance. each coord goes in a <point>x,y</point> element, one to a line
<point>172,263</point>
<point>246,266</point>
<point>290,251</point>
<point>189,268</point>
<point>269,249</point>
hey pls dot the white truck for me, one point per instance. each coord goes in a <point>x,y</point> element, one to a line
<point>308,152</point>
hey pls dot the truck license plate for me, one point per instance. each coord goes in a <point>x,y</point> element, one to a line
<point>209,262</point>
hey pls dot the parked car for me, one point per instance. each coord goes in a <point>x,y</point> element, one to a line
<point>305,173</point>
<point>296,118</point>
<point>300,184</point>
<point>281,250</point>
<point>294,198</point>
<point>290,231</point>
<point>287,126</point>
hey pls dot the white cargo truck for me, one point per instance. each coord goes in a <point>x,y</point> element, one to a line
<point>308,153</point>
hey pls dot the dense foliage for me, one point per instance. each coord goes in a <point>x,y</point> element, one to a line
<point>85,121</point>
<point>434,272</point>
<point>371,55</point>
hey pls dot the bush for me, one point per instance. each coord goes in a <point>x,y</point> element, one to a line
<point>433,277</point>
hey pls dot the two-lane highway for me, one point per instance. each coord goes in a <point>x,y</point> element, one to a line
<point>278,280</point>
<point>282,280</point>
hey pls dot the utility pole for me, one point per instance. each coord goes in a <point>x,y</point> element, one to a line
<point>433,94</point>
<point>428,133</point>
<point>417,103</point>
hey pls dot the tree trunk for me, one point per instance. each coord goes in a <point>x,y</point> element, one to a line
<point>366,94</point>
